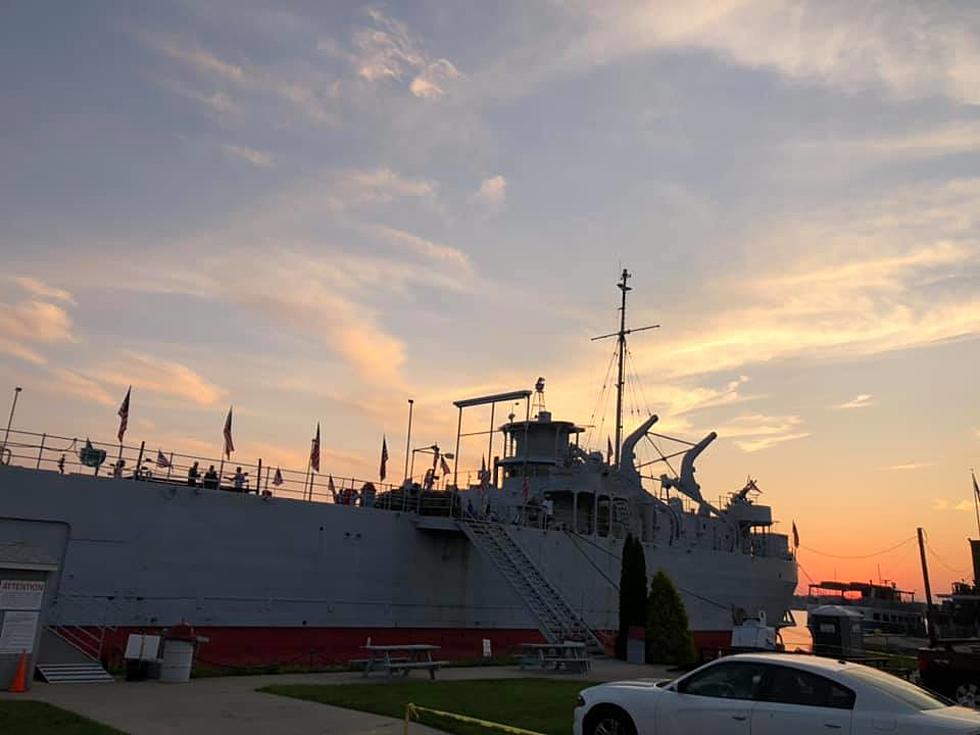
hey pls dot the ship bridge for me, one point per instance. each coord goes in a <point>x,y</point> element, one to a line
<point>536,447</point>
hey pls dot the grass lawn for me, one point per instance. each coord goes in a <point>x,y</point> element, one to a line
<point>541,705</point>
<point>39,718</point>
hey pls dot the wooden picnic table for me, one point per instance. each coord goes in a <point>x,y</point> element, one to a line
<point>400,658</point>
<point>571,656</point>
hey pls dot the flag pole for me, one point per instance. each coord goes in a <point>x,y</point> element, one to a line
<point>309,462</point>
<point>408,440</point>
<point>976,498</point>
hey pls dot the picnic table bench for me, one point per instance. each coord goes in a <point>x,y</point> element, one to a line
<point>570,656</point>
<point>399,658</point>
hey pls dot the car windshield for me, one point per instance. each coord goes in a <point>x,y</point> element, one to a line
<point>900,689</point>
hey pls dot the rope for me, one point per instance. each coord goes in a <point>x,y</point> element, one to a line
<point>600,404</point>
<point>942,563</point>
<point>899,545</point>
<point>682,589</point>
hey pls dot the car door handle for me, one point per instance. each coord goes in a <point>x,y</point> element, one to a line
<point>740,718</point>
<point>832,726</point>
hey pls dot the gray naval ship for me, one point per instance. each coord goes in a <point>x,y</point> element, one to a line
<point>307,573</point>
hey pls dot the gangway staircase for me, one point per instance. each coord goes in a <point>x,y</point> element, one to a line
<point>556,619</point>
<point>70,655</point>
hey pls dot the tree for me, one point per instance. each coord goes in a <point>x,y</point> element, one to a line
<point>669,638</point>
<point>632,592</point>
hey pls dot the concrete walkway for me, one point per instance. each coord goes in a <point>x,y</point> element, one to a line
<point>232,705</point>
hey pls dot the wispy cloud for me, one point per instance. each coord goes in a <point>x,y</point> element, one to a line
<point>905,466</point>
<point>862,400</point>
<point>36,287</point>
<point>157,375</point>
<point>755,432</point>
<point>75,384</point>
<point>26,324</point>
<point>388,51</point>
<point>257,158</point>
<point>493,190</point>
<point>226,87</point>
<point>356,188</point>
<point>942,504</point>
<point>836,304</point>
<point>903,49</point>
<point>202,60</point>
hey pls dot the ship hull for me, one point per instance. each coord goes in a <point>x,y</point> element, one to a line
<point>279,581</point>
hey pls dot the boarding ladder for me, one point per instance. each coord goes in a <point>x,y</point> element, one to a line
<point>556,619</point>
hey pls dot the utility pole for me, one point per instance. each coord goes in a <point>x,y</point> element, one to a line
<point>930,622</point>
<point>621,350</point>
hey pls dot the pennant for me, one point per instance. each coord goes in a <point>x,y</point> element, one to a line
<point>162,460</point>
<point>277,478</point>
<point>444,466</point>
<point>384,458</point>
<point>229,444</point>
<point>124,415</point>
<point>609,451</point>
<point>331,488</point>
<point>315,450</point>
<point>796,537</point>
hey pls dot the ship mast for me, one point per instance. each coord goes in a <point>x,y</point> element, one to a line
<point>621,355</point>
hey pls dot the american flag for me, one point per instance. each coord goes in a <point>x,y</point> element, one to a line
<point>229,444</point>
<point>384,458</point>
<point>444,466</point>
<point>124,415</point>
<point>796,537</point>
<point>277,478</point>
<point>315,450</point>
<point>162,460</point>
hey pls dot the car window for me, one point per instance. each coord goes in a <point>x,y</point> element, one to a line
<point>899,689</point>
<point>735,680</point>
<point>788,685</point>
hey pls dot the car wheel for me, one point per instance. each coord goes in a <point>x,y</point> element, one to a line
<point>968,695</point>
<point>609,721</point>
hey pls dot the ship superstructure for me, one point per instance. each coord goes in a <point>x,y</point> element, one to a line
<point>529,550</point>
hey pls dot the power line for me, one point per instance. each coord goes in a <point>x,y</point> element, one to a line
<point>941,561</point>
<point>909,540</point>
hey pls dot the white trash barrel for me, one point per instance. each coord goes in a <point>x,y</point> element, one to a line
<point>177,659</point>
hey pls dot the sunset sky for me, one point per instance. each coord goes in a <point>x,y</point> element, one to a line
<point>315,211</point>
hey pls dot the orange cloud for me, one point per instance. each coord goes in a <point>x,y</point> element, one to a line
<point>146,372</point>
<point>26,323</point>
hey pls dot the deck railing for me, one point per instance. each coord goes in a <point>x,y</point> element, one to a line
<point>145,462</point>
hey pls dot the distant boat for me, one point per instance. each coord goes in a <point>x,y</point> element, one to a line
<point>883,607</point>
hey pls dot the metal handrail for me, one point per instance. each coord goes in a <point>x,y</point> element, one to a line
<point>49,452</point>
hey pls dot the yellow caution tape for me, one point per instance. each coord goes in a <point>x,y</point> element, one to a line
<point>412,711</point>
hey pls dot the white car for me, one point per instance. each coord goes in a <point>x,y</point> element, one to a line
<point>771,694</point>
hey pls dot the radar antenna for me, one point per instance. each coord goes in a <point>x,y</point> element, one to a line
<point>621,351</point>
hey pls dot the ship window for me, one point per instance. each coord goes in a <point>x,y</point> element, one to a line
<point>877,616</point>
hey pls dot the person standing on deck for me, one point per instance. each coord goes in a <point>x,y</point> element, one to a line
<point>193,475</point>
